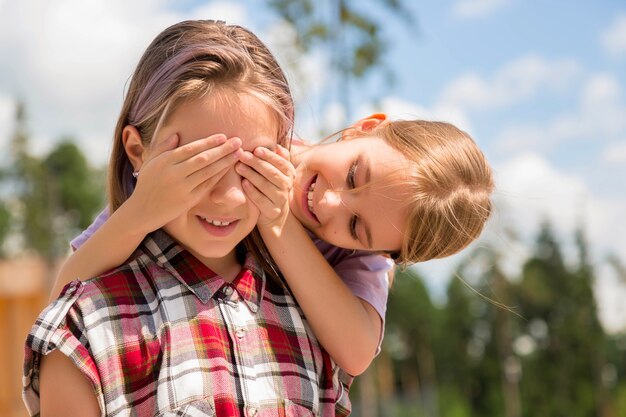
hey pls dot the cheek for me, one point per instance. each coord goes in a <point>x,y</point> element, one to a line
<point>253,212</point>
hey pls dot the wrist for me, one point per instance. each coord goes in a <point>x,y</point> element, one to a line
<point>128,215</point>
<point>277,228</point>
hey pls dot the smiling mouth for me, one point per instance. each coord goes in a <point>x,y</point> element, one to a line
<point>218,228</point>
<point>309,200</point>
<point>217,223</point>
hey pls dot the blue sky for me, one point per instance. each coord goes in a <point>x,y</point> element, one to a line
<point>540,85</point>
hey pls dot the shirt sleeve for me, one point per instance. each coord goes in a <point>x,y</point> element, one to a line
<point>59,326</point>
<point>79,240</point>
<point>367,276</point>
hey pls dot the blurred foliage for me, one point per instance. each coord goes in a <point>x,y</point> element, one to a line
<point>5,225</point>
<point>348,32</point>
<point>545,354</point>
<point>54,196</point>
<point>343,27</point>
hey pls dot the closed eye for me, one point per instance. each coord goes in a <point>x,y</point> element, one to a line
<point>350,178</point>
<point>353,233</point>
<point>351,183</point>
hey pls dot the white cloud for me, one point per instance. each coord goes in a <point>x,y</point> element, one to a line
<point>531,189</point>
<point>69,61</point>
<point>613,39</point>
<point>610,292</point>
<point>518,80</point>
<point>230,12</point>
<point>472,9</point>
<point>307,74</point>
<point>398,108</point>
<point>615,153</point>
<point>7,116</point>
<point>601,116</point>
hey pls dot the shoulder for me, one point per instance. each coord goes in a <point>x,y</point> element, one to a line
<point>357,260</point>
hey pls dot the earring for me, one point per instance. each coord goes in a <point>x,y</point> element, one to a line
<point>135,174</point>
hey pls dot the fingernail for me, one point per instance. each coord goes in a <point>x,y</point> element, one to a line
<point>259,151</point>
<point>235,143</point>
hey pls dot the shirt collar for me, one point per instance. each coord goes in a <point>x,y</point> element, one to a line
<point>198,278</point>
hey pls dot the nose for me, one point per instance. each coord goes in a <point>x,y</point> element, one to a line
<point>334,205</point>
<point>228,190</point>
<point>332,199</point>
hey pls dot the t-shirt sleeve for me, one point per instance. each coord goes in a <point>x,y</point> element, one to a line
<point>58,327</point>
<point>367,276</point>
<point>79,240</point>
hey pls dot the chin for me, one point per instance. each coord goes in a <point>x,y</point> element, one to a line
<point>213,252</point>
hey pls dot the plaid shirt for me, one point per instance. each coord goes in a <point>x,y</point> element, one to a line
<point>163,335</point>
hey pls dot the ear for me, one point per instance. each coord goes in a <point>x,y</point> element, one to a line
<point>366,125</point>
<point>371,122</point>
<point>133,146</point>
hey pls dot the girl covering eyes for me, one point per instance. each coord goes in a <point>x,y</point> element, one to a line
<point>332,218</point>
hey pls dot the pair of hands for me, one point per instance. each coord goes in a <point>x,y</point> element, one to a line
<point>175,178</point>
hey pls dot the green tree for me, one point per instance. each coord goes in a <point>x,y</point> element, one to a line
<point>561,310</point>
<point>454,339</point>
<point>348,31</point>
<point>5,225</point>
<point>58,195</point>
<point>411,319</point>
<point>78,186</point>
<point>456,350</point>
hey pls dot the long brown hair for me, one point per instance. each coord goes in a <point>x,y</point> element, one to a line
<point>185,61</point>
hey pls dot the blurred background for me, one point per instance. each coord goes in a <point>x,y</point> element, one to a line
<point>528,321</point>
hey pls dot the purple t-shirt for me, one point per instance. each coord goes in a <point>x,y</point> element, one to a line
<point>365,273</point>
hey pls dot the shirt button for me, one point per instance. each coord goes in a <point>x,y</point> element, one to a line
<point>252,412</point>
<point>227,291</point>
<point>240,332</point>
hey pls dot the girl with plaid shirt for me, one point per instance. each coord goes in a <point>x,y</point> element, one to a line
<point>407,190</point>
<point>196,322</point>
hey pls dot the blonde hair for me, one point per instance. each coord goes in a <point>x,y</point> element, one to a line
<point>449,184</point>
<point>186,61</point>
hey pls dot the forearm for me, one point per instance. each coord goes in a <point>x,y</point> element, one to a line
<point>348,327</point>
<point>107,248</point>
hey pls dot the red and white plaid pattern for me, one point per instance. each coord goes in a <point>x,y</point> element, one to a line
<point>163,335</point>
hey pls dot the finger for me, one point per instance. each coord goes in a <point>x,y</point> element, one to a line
<point>265,205</point>
<point>231,150</point>
<point>265,168</point>
<point>205,172</point>
<point>210,182</point>
<point>283,152</point>
<point>276,159</point>
<point>184,152</point>
<point>272,192</point>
